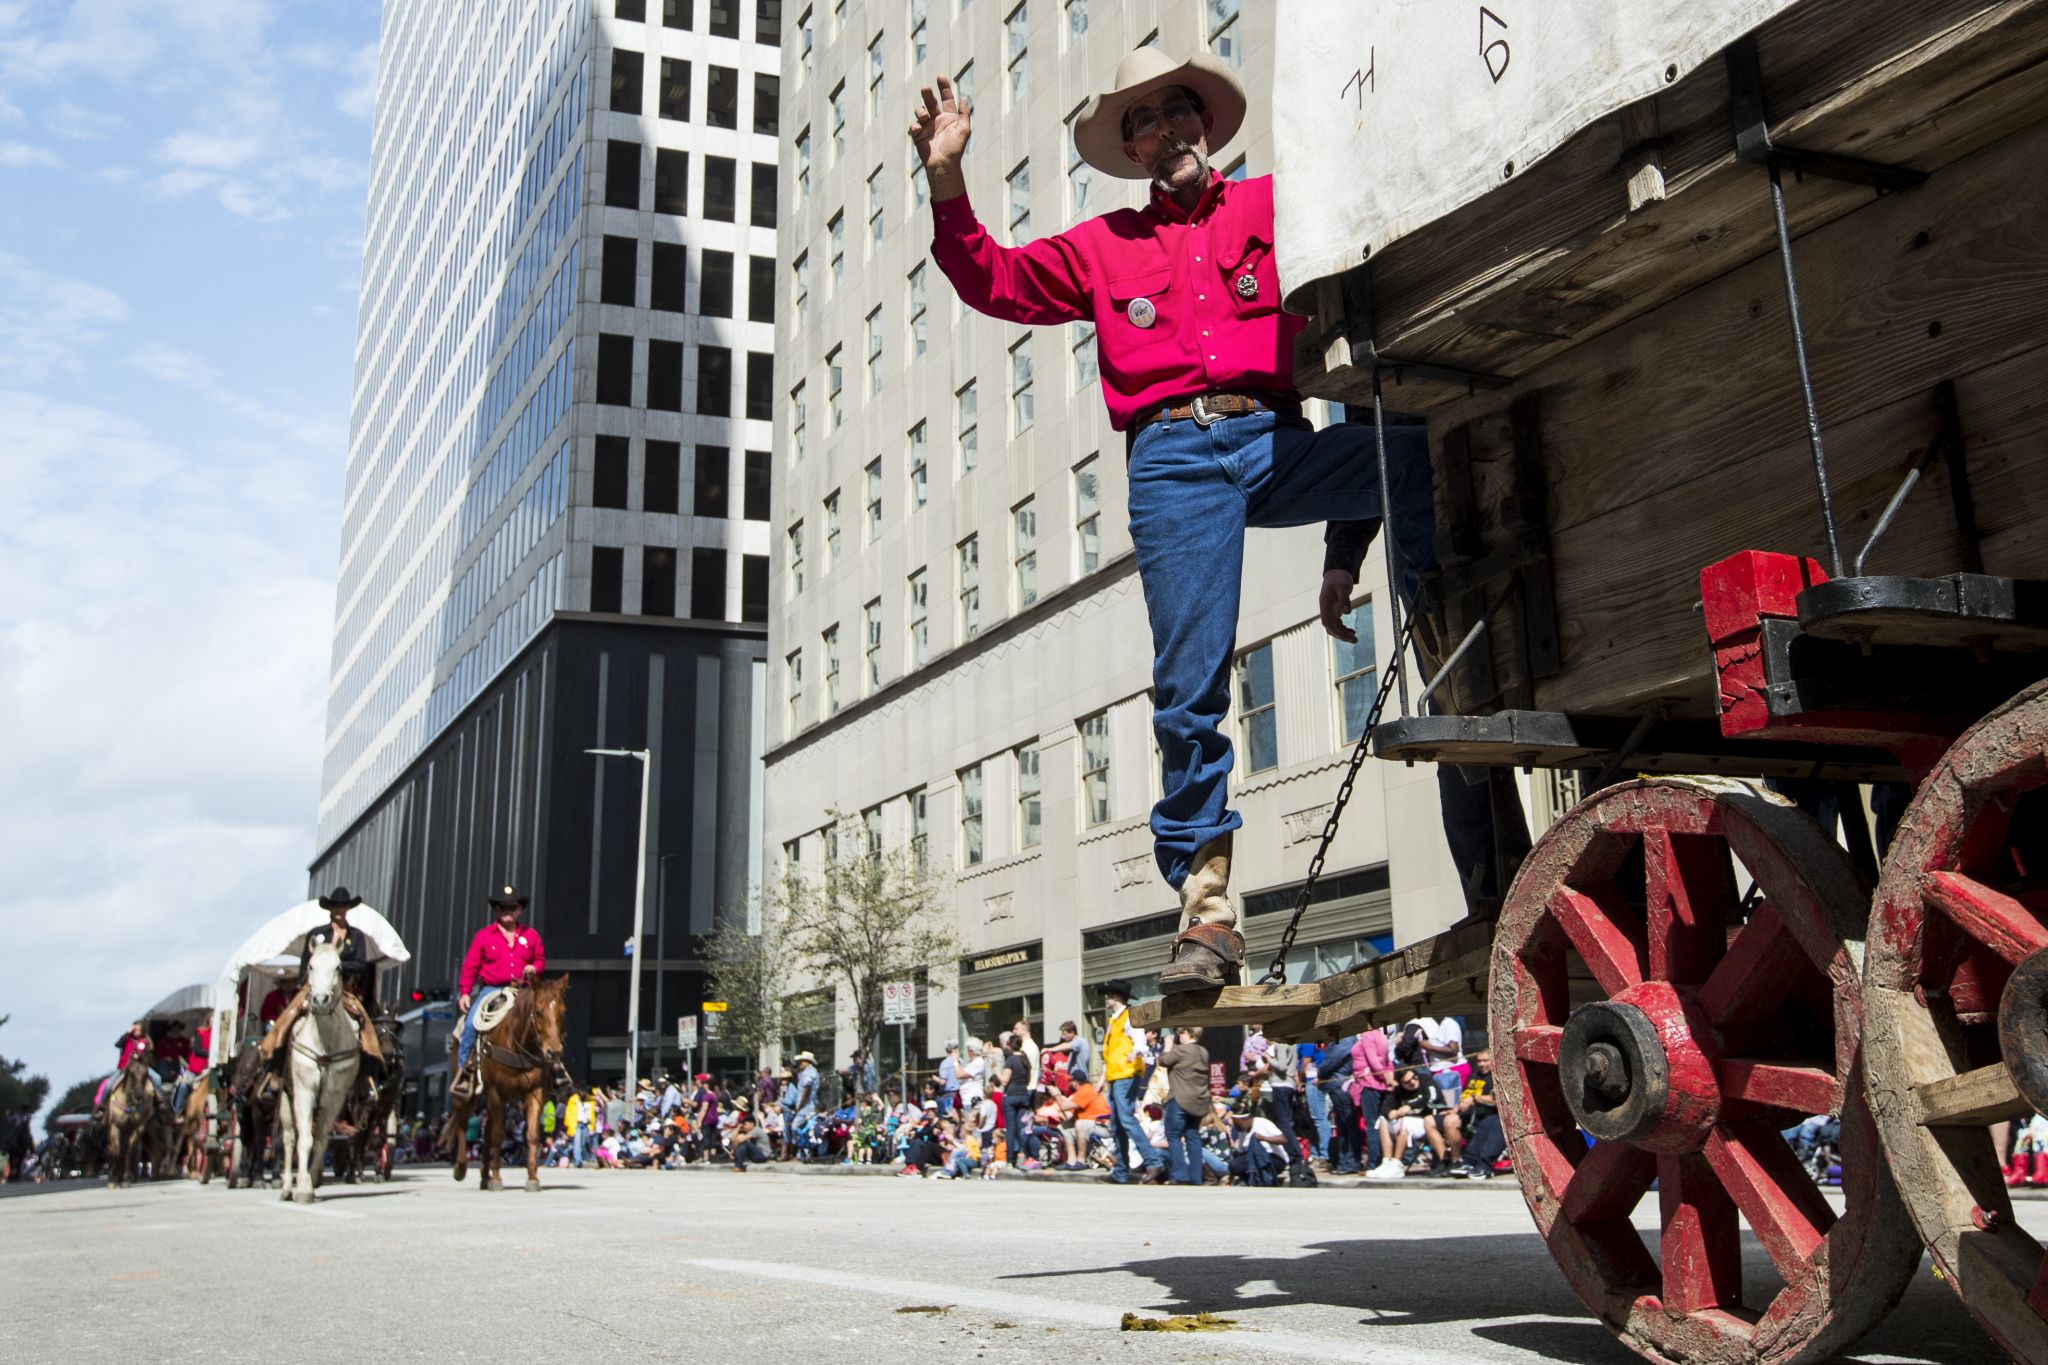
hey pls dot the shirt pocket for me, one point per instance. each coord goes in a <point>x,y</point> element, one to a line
<point>1136,352</point>
<point>1252,259</point>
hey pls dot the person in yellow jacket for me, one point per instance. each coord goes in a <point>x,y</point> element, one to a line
<point>576,1123</point>
<point>1125,1062</point>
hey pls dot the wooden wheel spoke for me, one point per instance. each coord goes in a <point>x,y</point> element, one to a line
<point>1610,954</point>
<point>1789,1086</point>
<point>1754,973</point>
<point>1700,1251</point>
<point>1685,884</point>
<point>1783,1206</point>
<point>1974,1099</point>
<point>1989,917</point>
<point>1539,1043</point>
<point>1609,1181</point>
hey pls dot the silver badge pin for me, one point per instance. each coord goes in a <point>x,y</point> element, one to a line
<point>1141,313</point>
<point>1247,285</point>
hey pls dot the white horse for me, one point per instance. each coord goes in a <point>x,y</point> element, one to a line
<point>324,1055</point>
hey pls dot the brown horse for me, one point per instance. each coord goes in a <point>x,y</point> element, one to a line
<point>135,1109</point>
<point>520,1059</point>
<point>190,1154</point>
<point>251,1116</point>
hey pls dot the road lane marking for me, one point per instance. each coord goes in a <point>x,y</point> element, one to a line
<point>1062,1311</point>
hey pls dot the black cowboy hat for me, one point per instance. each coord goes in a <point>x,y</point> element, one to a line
<point>340,898</point>
<point>1116,985</point>
<point>508,894</point>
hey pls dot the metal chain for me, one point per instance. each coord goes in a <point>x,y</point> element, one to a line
<point>1277,973</point>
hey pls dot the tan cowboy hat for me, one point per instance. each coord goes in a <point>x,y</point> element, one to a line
<point>1099,127</point>
<point>805,1057</point>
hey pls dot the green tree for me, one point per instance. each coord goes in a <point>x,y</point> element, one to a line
<point>78,1099</point>
<point>866,920</point>
<point>16,1090</point>
<point>748,970</point>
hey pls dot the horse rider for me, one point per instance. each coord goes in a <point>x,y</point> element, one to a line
<point>135,1040</point>
<point>1197,372</point>
<point>504,953</point>
<point>355,972</point>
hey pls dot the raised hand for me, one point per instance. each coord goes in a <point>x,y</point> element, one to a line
<point>940,131</point>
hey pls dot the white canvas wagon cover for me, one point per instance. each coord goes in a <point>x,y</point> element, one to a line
<point>1393,113</point>
<point>272,952</point>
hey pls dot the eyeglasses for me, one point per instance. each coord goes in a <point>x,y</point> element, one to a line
<point>1143,122</point>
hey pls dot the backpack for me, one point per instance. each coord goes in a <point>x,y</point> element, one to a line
<point>1300,1176</point>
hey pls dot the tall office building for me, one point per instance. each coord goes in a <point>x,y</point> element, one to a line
<point>555,524</point>
<point>959,652</point>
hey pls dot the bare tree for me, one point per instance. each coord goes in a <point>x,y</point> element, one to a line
<point>864,921</point>
<point>749,971</point>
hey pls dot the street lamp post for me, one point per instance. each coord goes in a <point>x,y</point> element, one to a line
<point>639,910</point>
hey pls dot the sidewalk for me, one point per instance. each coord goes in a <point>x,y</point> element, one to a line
<point>1503,1180</point>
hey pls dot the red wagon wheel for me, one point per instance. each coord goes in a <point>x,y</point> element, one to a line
<point>1676,972</point>
<point>1957,993</point>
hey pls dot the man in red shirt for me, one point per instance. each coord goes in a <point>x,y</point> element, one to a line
<point>1197,364</point>
<point>503,953</point>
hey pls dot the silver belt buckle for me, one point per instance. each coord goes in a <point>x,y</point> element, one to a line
<point>1199,410</point>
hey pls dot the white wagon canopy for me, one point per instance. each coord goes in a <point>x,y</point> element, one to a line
<point>270,957</point>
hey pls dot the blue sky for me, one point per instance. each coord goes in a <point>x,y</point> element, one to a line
<point>181,211</point>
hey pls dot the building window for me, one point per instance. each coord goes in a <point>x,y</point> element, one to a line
<point>1030,805</point>
<point>709,481</point>
<point>1236,170</point>
<point>1021,407</point>
<point>721,189</point>
<point>761,209</point>
<point>675,89</point>
<point>754,588</point>
<point>714,381</point>
<point>836,231</point>
<point>1080,175</point>
<point>963,83</point>
<point>768,22</point>
<point>670,271</point>
<point>1020,203</point>
<point>760,386</point>
<point>622,174</point>
<point>621,270</point>
<point>803,167</point>
<point>661,480</point>
<point>800,273</point>
<point>665,376</point>
<point>917,312</point>
<point>722,98</point>
<point>875,353</point>
<point>1357,669</point>
<point>1086,368</point>
<point>657,581</point>
<point>1226,34</point>
<point>1017,31</point>
<point>671,181</point>
<point>831,530</point>
<point>920,46</point>
<point>754,504</point>
<point>725,18</point>
<point>871,645</point>
<point>1024,554</point>
<point>797,423</point>
<point>874,479</point>
<point>871,827</point>
<point>609,482</point>
<point>707,584</point>
<point>835,388</point>
<point>760,289</point>
<point>970,587</point>
<point>918,472</point>
<point>836,105</point>
<point>1077,19</point>
<point>919,620</point>
<point>806,41</point>
<point>796,559</point>
<point>1087,516</point>
<point>676,13</point>
<point>920,187</point>
<point>615,370</point>
<point>1258,724</point>
<point>1095,769</point>
<point>607,579</point>
<point>767,104</point>
<point>971,846</point>
<point>793,682</point>
<point>967,407</point>
<point>714,291</point>
<point>829,640</point>
<point>634,11</point>
<point>628,69</point>
<point>875,79</point>
<point>875,210</point>
<point>920,836</point>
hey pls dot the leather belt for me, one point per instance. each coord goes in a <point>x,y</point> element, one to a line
<point>1206,408</point>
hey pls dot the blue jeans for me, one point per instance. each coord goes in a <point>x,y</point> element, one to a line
<point>1123,1127</point>
<point>579,1147</point>
<point>1193,494</point>
<point>1183,1145</point>
<point>1319,1115</point>
<point>476,1002</point>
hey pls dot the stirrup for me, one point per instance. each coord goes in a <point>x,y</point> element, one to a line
<point>1205,956</point>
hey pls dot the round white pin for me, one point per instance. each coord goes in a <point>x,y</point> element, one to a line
<point>1247,286</point>
<point>1141,313</point>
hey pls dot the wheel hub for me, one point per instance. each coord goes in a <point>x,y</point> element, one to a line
<point>1633,1071</point>
<point>2023,1029</point>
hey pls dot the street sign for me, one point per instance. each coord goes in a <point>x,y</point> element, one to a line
<point>714,1025</point>
<point>686,1031</point>
<point>899,1002</point>
<point>714,1007</point>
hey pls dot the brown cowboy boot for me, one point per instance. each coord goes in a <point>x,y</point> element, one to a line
<point>1209,951</point>
<point>272,1043</point>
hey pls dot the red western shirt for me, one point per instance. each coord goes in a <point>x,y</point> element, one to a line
<point>1208,277</point>
<point>495,962</point>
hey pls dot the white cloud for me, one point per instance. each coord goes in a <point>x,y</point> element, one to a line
<point>24,154</point>
<point>46,320</point>
<point>359,99</point>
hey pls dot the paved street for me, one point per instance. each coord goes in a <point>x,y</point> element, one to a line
<point>779,1265</point>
